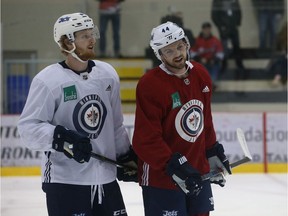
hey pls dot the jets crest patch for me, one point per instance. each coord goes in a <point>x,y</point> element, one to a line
<point>189,120</point>
<point>89,115</point>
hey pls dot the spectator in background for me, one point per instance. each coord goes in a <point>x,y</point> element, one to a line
<point>269,13</point>
<point>227,15</point>
<point>208,51</point>
<point>278,66</point>
<point>110,11</point>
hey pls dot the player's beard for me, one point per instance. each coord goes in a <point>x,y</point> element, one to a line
<point>86,54</point>
<point>174,64</point>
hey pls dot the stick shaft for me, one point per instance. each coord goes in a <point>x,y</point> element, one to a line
<point>204,177</point>
<point>241,140</point>
<point>113,162</point>
<point>232,165</point>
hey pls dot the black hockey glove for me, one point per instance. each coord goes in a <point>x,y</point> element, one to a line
<point>184,175</point>
<point>129,159</point>
<point>72,144</point>
<point>218,161</point>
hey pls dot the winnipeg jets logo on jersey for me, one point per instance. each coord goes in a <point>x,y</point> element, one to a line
<point>89,115</point>
<point>189,120</point>
<point>93,116</point>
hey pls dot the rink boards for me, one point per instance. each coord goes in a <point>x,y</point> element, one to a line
<point>266,135</point>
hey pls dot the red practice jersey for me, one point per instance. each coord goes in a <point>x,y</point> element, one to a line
<point>172,115</point>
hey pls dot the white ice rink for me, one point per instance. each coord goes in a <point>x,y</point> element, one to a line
<point>243,195</point>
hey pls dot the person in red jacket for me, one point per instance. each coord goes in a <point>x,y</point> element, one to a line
<point>174,136</point>
<point>110,11</point>
<point>208,51</point>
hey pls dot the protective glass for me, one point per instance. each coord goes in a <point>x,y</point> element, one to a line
<point>88,34</point>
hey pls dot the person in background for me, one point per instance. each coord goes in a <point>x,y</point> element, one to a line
<point>110,11</point>
<point>269,14</point>
<point>208,51</point>
<point>227,15</point>
<point>174,136</point>
<point>278,64</point>
<point>73,108</point>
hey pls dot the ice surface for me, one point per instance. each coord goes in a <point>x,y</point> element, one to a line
<point>244,194</point>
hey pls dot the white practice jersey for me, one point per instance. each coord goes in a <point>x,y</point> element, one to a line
<point>88,103</point>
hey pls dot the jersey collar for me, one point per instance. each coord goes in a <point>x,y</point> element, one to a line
<point>91,64</point>
<point>188,63</point>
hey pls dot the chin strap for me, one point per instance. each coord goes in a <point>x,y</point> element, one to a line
<point>189,66</point>
<point>76,57</point>
<point>73,53</point>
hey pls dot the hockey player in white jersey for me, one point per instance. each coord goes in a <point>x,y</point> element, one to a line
<point>73,108</point>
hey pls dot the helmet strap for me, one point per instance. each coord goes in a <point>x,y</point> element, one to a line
<point>76,57</point>
<point>184,73</point>
<point>188,55</point>
<point>73,53</point>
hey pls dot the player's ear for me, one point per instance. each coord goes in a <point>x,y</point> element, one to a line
<point>66,44</point>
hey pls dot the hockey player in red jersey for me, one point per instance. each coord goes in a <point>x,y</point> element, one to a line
<point>174,136</point>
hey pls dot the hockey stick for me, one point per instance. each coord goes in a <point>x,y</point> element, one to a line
<point>69,147</point>
<point>240,137</point>
<point>241,140</point>
<point>244,146</point>
<point>108,160</point>
<point>247,155</point>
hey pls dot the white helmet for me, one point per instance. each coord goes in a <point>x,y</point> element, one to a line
<point>165,34</point>
<point>70,23</point>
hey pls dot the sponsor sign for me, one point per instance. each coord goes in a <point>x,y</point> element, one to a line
<point>14,153</point>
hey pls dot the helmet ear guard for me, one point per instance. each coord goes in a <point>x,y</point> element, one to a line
<point>166,34</point>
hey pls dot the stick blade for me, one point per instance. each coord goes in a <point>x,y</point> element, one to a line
<point>243,143</point>
<point>247,155</point>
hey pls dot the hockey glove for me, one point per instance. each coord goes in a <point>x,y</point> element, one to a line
<point>218,161</point>
<point>128,174</point>
<point>72,144</point>
<point>184,175</point>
